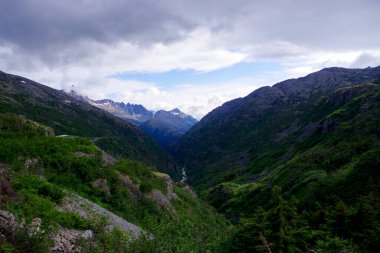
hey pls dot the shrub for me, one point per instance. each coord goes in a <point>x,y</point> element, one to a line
<point>32,184</point>
<point>145,187</point>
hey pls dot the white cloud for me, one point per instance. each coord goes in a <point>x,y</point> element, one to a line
<point>90,76</point>
<point>196,100</point>
<point>83,43</point>
<point>199,52</point>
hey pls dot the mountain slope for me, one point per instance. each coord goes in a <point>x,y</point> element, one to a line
<point>130,112</point>
<point>69,116</point>
<point>164,127</point>
<point>295,166</point>
<point>168,126</point>
<point>323,181</point>
<point>235,139</point>
<point>66,195</point>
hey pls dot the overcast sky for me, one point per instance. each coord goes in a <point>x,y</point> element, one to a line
<point>190,54</point>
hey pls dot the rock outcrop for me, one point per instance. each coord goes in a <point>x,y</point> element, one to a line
<point>8,225</point>
<point>65,240</point>
<point>7,193</point>
<point>108,159</point>
<point>101,185</point>
<point>89,210</point>
<point>163,200</point>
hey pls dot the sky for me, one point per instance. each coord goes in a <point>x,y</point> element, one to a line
<point>188,54</point>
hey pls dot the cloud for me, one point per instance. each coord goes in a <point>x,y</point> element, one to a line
<point>196,100</point>
<point>61,32</point>
<point>367,59</point>
<point>33,24</point>
<point>83,43</point>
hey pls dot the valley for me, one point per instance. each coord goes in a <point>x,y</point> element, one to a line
<point>294,166</point>
<point>166,126</point>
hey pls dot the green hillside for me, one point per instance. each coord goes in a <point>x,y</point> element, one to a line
<point>295,165</point>
<point>68,116</point>
<point>243,137</point>
<point>294,168</point>
<point>39,171</point>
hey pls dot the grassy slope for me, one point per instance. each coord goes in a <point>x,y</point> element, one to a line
<point>68,116</point>
<point>26,147</point>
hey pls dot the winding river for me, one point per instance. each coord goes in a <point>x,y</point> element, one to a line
<point>184,176</point>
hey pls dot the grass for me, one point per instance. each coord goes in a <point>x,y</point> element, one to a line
<point>46,167</point>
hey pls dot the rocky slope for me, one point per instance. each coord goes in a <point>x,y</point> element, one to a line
<point>164,127</point>
<point>131,112</point>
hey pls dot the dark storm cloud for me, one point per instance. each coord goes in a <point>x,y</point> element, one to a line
<point>324,24</point>
<point>59,32</point>
<point>36,24</point>
<point>83,42</point>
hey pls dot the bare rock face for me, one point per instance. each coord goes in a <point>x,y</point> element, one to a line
<point>162,200</point>
<point>8,224</point>
<point>108,159</point>
<point>65,240</point>
<point>7,193</point>
<point>134,190</point>
<point>169,185</point>
<point>169,188</point>
<point>88,210</point>
<point>101,185</point>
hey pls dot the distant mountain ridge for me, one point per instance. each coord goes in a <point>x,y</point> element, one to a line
<point>69,115</point>
<point>168,126</point>
<point>165,127</point>
<point>130,112</point>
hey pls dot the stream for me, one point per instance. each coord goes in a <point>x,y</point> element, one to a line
<point>184,177</point>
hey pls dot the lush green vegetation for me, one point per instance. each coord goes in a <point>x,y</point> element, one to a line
<point>295,169</point>
<point>46,168</point>
<point>331,185</point>
<point>68,116</point>
<point>284,227</point>
<point>249,136</point>
<point>321,147</point>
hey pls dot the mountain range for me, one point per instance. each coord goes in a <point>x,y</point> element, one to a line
<point>293,167</point>
<point>69,116</point>
<point>165,127</point>
<point>76,178</point>
<point>243,134</point>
